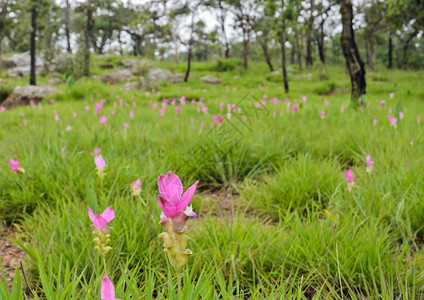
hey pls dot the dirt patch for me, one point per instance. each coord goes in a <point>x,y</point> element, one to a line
<point>11,255</point>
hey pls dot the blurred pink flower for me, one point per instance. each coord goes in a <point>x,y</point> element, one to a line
<point>391,95</point>
<point>136,187</point>
<point>349,176</point>
<point>401,115</point>
<point>2,108</point>
<point>126,125</point>
<point>96,151</point>
<point>418,120</point>
<point>369,163</point>
<point>98,107</point>
<point>107,291</point>
<point>68,128</point>
<point>56,117</point>
<point>382,102</point>
<point>326,102</point>
<point>87,108</point>
<point>221,106</point>
<point>25,122</point>
<point>322,114</point>
<point>342,108</point>
<point>374,122</point>
<point>103,120</point>
<point>217,119</point>
<point>100,162</point>
<point>392,120</point>
<point>178,110</point>
<point>14,165</point>
<point>100,221</point>
<point>131,114</point>
<point>162,111</point>
<point>74,114</point>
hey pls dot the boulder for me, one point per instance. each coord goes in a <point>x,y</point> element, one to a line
<point>19,64</point>
<point>211,79</point>
<point>133,63</point>
<point>132,86</point>
<point>55,81</point>
<point>178,77</point>
<point>21,95</point>
<point>117,76</point>
<point>157,75</point>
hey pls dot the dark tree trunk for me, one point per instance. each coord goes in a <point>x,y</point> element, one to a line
<point>283,53</point>
<point>293,54</point>
<point>354,63</point>
<point>405,48</point>
<point>308,58</point>
<point>245,42</point>
<point>32,78</point>
<point>299,50</point>
<point>89,26</point>
<point>67,31</point>
<point>390,64</point>
<point>266,53</point>
<point>2,22</point>
<point>224,34</point>
<point>320,40</point>
<point>187,74</point>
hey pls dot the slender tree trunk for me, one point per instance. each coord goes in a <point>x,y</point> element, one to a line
<point>354,63</point>
<point>371,60</point>
<point>390,54</point>
<point>67,31</point>
<point>398,57</point>
<point>283,53</point>
<point>265,50</point>
<point>321,49</point>
<point>293,54</point>
<point>87,42</point>
<point>187,74</point>
<point>299,49</point>
<point>32,77</point>
<point>309,59</point>
<point>224,34</point>
<point>245,42</point>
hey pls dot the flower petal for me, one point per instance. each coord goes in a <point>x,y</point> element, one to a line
<point>186,198</point>
<point>170,185</point>
<point>168,208</point>
<point>107,291</point>
<point>108,215</point>
<point>91,215</point>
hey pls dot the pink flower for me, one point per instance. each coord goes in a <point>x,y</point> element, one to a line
<point>382,102</point>
<point>391,95</point>
<point>202,123</point>
<point>2,108</point>
<point>74,114</point>
<point>349,176</point>
<point>14,165</point>
<point>374,122</point>
<point>68,128</point>
<point>98,107</point>
<point>392,120</point>
<point>178,110</point>
<point>100,162</point>
<point>136,187</point>
<point>25,121</point>
<point>56,117</point>
<point>418,120</point>
<point>390,110</point>
<point>326,102</point>
<point>172,200</point>
<point>162,111</point>
<point>342,108</point>
<point>103,120</point>
<point>96,151</point>
<point>87,108</point>
<point>107,291</point>
<point>265,96</point>
<point>63,149</point>
<point>401,115</point>
<point>100,221</point>
<point>323,114</point>
<point>217,119</point>
<point>147,94</point>
<point>221,106</point>
<point>369,163</point>
<point>131,114</point>
<point>155,105</point>
<point>295,107</point>
<point>126,125</point>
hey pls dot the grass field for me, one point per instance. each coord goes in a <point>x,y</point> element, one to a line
<point>276,220</point>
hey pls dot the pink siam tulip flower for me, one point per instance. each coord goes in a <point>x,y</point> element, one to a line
<point>205,109</point>
<point>391,95</point>
<point>393,121</point>
<point>100,162</point>
<point>87,108</point>
<point>304,99</point>
<point>369,164</point>
<point>202,123</point>
<point>74,114</point>
<point>107,291</point>
<point>14,165</point>
<point>147,94</point>
<point>131,114</point>
<point>217,119</point>
<point>103,101</point>
<point>121,102</point>
<point>155,105</point>
<point>162,111</point>
<point>126,126</point>
<point>374,122</point>
<point>178,110</point>
<point>52,101</point>
<point>56,117</point>
<point>173,202</point>
<point>412,140</point>
<point>342,108</point>
<point>98,107</point>
<point>265,96</point>
<point>322,114</point>
<point>136,187</point>
<point>274,114</point>
<point>2,108</point>
<point>103,120</point>
<point>326,102</point>
<point>350,180</point>
<point>68,128</point>
<point>382,102</point>
<point>263,103</point>
<point>63,149</point>
<point>25,122</point>
<point>221,106</point>
<point>100,221</point>
<point>295,107</point>
<point>96,151</point>
<point>389,110</point>
<point>418,120</point>
<point>401,115</point>
<point>32,103</point>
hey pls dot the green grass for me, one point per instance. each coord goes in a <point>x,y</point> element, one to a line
<point>294,230</point>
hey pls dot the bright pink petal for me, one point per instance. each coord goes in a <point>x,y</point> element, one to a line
<point>188,195</point>
<point>108,215</point>
<point>170,186</point>
<point>168,208</point>
<point>107,291</point>
<point>91,215</point>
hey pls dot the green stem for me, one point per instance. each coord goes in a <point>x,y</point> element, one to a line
<point>179,277</point>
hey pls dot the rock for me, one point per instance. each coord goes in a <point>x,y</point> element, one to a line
<point>19,64</point>
<point>132,86</point>
<point>211,79</point>
<point>117,76</point>
<point>178,77</point>
<point>157,75</point>
<point>22,94</point>
<point>133,63</point>
<point>107,66</point>
<point>55,81</point>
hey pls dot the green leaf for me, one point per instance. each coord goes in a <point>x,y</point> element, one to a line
<point>16,293</point>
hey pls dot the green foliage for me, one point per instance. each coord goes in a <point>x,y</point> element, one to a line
<point>224,65</point>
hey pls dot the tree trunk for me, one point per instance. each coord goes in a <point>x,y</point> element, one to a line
<point>283,53</point>
<point>188,65</point>
<point>67,31</point>
<point>245,41</point>
<point>299,50</point>
<point>32,78</point>
<point>371,60</point>
<point>293,54</point>
<point>320,40</point>
<point>87,42</point>
<point>309,60</point>
<point>390,64</point>
<point>405,48</point>
<point>354,64</point>
<point>265,50</point>
<point>224,34</point>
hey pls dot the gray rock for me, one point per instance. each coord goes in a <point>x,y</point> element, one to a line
<point>55,81</point>
<point>19,64</point>
<point>178,77</point>
<point>211,79</point>
<point>21,95</point>
<point>157,75</point>
<point>132,86</point>
<point>117,76</point>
